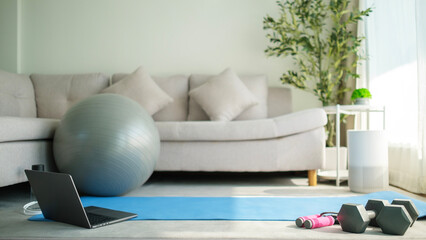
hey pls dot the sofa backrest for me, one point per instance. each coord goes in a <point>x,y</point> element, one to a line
<point>176,87</point>
<point>257,84</point>
<point>55,94</point>
<point>276,101</point>
<point>279,101</point>
<point>16,95</point>
<point>50,96</point>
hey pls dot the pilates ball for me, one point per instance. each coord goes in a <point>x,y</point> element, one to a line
<point>108,143</point>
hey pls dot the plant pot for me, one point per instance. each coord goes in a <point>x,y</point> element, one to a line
<point>362,101</point>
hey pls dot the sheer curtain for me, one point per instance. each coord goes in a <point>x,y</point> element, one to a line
<point>396,76</point>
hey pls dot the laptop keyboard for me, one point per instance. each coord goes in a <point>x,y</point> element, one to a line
<point>96,219</point>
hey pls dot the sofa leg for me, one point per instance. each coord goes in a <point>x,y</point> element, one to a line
<point>312,177</point>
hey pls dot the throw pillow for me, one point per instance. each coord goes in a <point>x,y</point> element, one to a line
<point>223,97</point>
<point>140,87</point>
<point>255,83</point>
<point>176,86</point>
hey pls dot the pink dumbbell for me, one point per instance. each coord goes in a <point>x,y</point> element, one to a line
<point>319,222</point>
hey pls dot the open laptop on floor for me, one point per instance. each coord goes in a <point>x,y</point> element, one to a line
<point>58,199</point>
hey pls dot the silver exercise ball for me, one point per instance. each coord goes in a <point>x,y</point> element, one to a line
<point>108,143</point>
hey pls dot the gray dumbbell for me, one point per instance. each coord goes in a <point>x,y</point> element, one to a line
<point>355,217</point>
<point>409,205</point>
<point>398,217</point>
<point>394,219</point>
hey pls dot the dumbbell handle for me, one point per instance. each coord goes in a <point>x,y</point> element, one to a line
<point>371,214</point>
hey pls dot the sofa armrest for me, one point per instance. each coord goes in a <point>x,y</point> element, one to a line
<point>300,121</point>
<point>24,129</point>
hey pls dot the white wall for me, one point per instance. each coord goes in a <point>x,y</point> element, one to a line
<point>165,36</point>
<point>9,35</point>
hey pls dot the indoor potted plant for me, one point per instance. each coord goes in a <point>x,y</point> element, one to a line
<point>320,36</point>
<point>361,96</point>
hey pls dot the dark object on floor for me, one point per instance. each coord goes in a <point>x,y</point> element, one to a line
<point>410,206</point>
<point>59,201</point>
<point>355,217</point>
<point>394,219</point>
<point>398,217</point>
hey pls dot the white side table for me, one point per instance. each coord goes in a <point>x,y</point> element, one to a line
<point>348,110</point>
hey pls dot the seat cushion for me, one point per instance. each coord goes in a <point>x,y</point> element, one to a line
<point>175,86</point>
<point>16,95</point>
<point>223,97</point>
<point>23,129</point>
<point>55,94</point>
<point>258,86</point>
<point>270,128</point>
<point>140,87</point>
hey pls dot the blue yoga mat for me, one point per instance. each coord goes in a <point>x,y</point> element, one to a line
<point>233,208</point>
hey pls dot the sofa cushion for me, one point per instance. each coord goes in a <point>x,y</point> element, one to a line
<point>24,129</point>
<point>257,84</point>
<point>16,95</point>
<point>279,101</point>
<point>175,86</point>
<point>223,97</point>
<point>269,128</point>
<point>55,94</point>
<point>140,87</point>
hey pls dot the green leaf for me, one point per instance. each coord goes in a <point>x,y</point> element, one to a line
<point>316,35</point>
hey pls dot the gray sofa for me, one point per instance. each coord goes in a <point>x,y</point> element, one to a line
<point>266,138</point>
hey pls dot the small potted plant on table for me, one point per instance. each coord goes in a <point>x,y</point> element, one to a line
<point>361,96</point>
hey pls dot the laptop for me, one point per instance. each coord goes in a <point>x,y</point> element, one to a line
<point>58,199</point>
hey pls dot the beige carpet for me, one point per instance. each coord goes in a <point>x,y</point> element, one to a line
<point>14,225</point>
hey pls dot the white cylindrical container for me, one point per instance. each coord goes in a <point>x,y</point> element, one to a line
<point>368,161</point>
